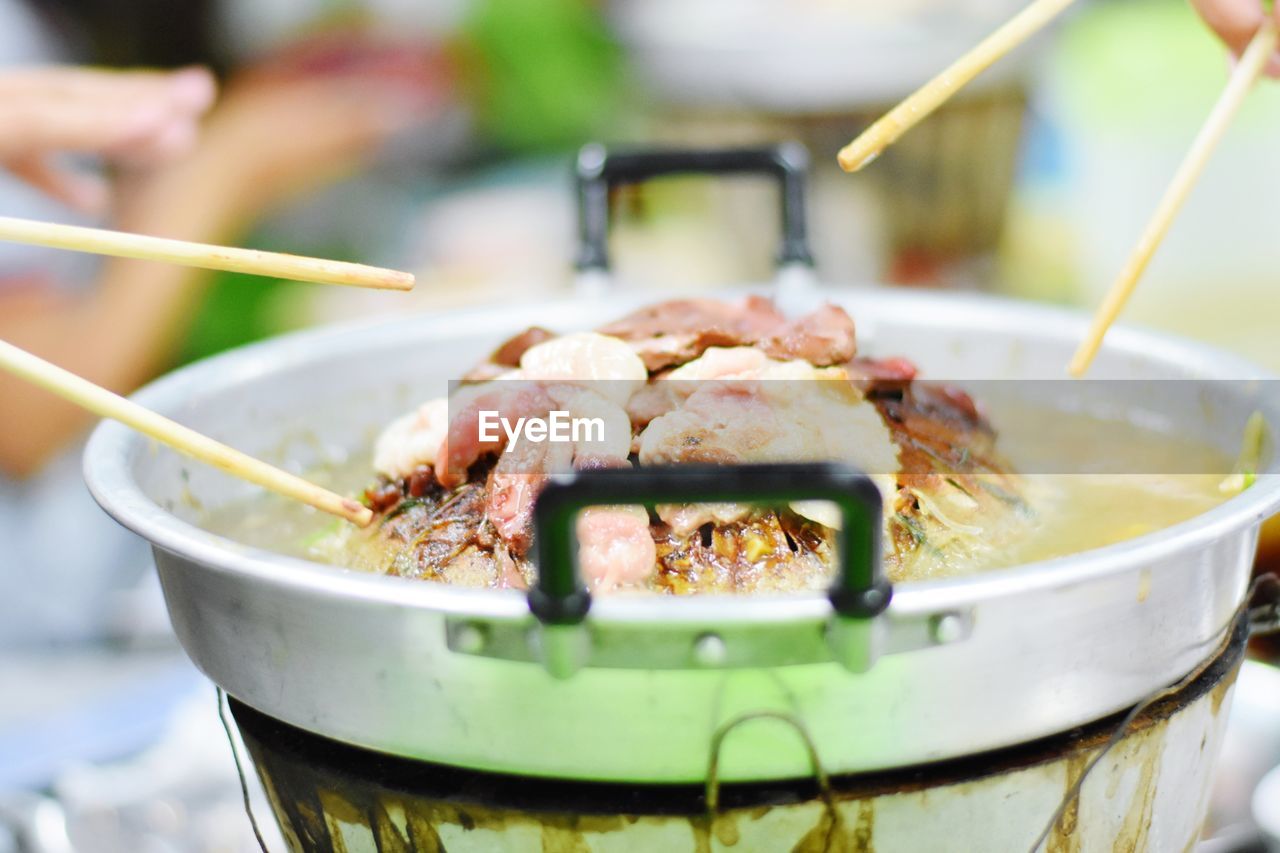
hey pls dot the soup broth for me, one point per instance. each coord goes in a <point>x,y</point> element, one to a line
<point>1072,512</point>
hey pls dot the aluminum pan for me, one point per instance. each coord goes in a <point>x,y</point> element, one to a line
<point>362,658</point>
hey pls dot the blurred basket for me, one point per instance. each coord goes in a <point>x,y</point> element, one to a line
<point>747,71</point>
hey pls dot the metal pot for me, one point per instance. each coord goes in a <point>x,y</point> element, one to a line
<point>950,668</point>
<point>1147,791</point>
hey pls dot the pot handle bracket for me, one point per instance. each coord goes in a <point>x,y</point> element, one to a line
<point>560,600</point>
<point>599,170</point>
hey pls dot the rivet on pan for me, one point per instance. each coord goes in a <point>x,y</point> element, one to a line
<point>710,650</point>
<point>947,628</point>
<point>469,639</point>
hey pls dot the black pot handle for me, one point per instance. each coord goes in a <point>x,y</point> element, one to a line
<point>599,169</point>
<point>860,590</point>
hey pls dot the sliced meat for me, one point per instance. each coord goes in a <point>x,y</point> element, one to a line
<point>523,468</point>
<point>670,350</point>
<point>958,500</point>
<point>940,432</point>
<point>507,356</point>
<point>510,353</point>
<point>514,484</point>
<point>652,401</point>
<point>463,445</point>
<point>607,450</point>
<point>672,333</point>
<point>771,421</point>
<point>720,423</point>
<point>822,337</point>
<point>589,374</point>
<point>412,440</point>
<point>735,421</point>
<point>602,363</point>
<point>750,319</point>
<point>674,386</point>
<point>615,548</point>
<point>726,363</point>
<point>676,332</point>
<point>877,376</point>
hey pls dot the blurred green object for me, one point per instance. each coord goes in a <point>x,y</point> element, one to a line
<point>547,74</point>
<point>1116,66</point>
<point>237,309</point>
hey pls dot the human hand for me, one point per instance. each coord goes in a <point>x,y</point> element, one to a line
<point>131,117</point>
<point>1236,22</point>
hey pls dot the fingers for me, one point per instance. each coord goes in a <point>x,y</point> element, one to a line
<point>84,192</point>
<point>319,129</point>
<point>104,127</point>
<point>1236,22</point>
<point>1273,67</point>
<point>127,115</point>
<point>193,89</point>
<point>188,88</point>
<point>173,139</point>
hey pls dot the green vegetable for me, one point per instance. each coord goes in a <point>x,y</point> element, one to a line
<point>403,507</point>
<point>1245,472</point>
<point>916,531</point>
<point>312,540</point>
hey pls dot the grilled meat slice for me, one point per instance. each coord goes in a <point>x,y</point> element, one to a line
<point>412,440</point>
<point>507,356</point>
<point>880,375</point>
<point>822,337</point>
<point>510,353</point>
<point>438,534</point>
<point>615,547</point>
<point>673,333</point>
<point>958,500</point>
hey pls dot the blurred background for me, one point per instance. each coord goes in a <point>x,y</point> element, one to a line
<point>438,136</point>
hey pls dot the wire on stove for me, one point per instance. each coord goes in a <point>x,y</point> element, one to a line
<point>1264,612</point>
<point>1264,588</point>
<point>235,756</point>
<point>815,764</point>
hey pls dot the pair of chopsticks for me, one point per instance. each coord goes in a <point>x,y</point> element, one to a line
<point>1017,30</point>
<point>104,403</point>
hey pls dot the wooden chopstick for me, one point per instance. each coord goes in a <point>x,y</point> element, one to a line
<point>930,96</point>
<point>1251,65</point>
<point>123,245</point>
<point>104,403</point>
